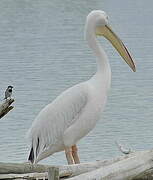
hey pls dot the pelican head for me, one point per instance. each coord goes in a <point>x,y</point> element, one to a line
<point>97,22</point>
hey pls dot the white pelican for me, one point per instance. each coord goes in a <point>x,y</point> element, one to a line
<point>74,113</point>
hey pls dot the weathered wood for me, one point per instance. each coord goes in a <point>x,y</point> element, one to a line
<point>147,175</point>
<point>126,169</point>
<point>24,176</point>
<point>5,107</point>
<point>22,168</point>
<point>65,170</point>
<point>77,169</point>
<point>53,173</point>
<point>136,166</point>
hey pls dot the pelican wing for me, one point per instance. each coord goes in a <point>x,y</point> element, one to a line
<point>52,121</point>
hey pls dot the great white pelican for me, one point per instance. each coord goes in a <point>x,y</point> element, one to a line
<point>75,112</point>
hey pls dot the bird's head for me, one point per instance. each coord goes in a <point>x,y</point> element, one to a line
<point>97,18</point>
<point>97,21</point>
<point>10,87</point>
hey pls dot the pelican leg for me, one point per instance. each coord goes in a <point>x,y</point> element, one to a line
<point>75,154</point>
<point>69,157</point>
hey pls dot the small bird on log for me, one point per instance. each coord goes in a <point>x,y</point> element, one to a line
<point>8,92</point>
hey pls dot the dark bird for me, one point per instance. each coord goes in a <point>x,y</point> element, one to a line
<point>8,92</point>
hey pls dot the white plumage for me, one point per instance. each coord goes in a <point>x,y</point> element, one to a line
<point>61,124</point>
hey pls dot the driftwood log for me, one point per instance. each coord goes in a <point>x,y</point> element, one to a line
<point>5,107</point>
<point>134,166</point>
<point>24,176</point>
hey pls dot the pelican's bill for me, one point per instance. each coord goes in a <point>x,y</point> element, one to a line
<point>107,32</point>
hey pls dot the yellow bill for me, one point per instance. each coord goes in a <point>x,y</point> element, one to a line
<point>107,32</point>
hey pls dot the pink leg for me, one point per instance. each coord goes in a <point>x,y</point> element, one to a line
<point>75,154</point>
<point>69,157</point>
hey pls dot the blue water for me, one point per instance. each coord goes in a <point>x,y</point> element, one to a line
<point>43,52</point>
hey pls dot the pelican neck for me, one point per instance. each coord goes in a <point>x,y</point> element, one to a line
<point>101,56</point>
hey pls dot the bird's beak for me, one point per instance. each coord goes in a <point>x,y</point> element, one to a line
<point>107,32</point>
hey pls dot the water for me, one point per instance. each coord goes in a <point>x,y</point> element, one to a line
<point>43,52</point>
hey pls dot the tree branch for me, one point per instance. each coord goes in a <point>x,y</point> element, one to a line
<point>5,107</point>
